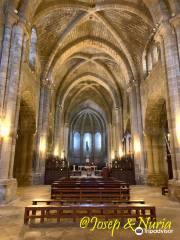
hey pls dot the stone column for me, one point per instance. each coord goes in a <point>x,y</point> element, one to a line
<point>10,109</point>
<point>66,137</point>
<point>114,138</point>
<point>81,147</point>
<point>42,131</point>
<point>137,130</point>
<point>156,174</point>
<point>167,37</point>
<point>118,128</point>
<point>110,144</point>
<point>57,129</point>
<point>175,21</point>
<point>10,20</point>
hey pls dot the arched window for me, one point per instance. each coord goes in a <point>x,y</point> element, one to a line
<point>98,141</point>
<point>76,142</point>
<point>149,61</point>
<point>87,142</point>
<point>32,49</point>
<point>155,54</point>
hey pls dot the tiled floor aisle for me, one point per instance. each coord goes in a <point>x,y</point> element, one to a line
<point>12,228</point>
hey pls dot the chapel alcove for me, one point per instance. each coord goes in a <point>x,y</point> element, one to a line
<point>88,139</point>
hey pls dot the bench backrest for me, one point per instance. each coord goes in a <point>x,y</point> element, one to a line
<point>90,193</point>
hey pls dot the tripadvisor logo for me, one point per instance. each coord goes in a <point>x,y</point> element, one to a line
<point>150,227</point>
<point>138,231</point>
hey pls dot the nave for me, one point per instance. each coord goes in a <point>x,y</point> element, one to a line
<point>89,116</point>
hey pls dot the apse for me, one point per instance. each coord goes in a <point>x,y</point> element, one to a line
<point>88,139</point>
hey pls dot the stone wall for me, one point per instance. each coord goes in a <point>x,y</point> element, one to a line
<point>153,87</point>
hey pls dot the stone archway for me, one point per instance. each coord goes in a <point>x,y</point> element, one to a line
<point>156,132</point>
<point>23,162</point>
<point>88,139</point>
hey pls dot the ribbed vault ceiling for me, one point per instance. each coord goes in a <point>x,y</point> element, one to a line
<point>90,49</point>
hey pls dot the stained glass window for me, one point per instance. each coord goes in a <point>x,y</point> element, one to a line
<point>76,141</point>
<point>98,141</point>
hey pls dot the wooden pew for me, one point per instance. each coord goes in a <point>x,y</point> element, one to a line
<point>99,210</point>
<point>88,180</point>
<point>90,193</point>
<point>77,201</point>
<point>68,183</point>
<point>90,185</point>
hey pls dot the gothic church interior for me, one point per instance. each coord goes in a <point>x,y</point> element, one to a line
<point>88,89</point>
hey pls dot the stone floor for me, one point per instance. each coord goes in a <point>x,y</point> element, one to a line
<point>12,228</point>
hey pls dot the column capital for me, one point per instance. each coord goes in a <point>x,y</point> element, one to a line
<point>117,108</point>
<point>158,38</point>
<point>175,21</point>
<point>59,106</point>
<point>165,29</point>
<point>26,26</point>
<point>66,124</point>
<point>11,17</point>
<point>132,85</point>
<point>128,87</point>
<point>47,83</point>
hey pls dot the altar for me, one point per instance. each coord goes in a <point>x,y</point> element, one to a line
<point>87,168</point>
<point>84,170</point>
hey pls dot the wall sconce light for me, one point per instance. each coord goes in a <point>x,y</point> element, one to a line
<point>56,151</point>
<point>113,155</point>
<point>62,154</point>
<point>42,145</point>
<point>4,128</point>
<point>137,145</point>
<point>120,152</point>
<point>168,136</point>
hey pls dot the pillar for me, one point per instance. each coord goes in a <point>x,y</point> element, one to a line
<point>167,37</point>
<point>137,130</point>
<point>155,173</point>
<point>10,20</point>
<point>118,129</point>
<point>9,89</point>
<point>66,138</point>
<point>57,129</point>
<point>110,144</point>
<point>42,131</point>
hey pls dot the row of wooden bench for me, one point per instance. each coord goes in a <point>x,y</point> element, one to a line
<point>59,209</point>
<point>89,189</point>
<point>90,184</point>
<point>78,211</point>
<point>88,199</point>
<point>90,181</point>
<point>90,193</point>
